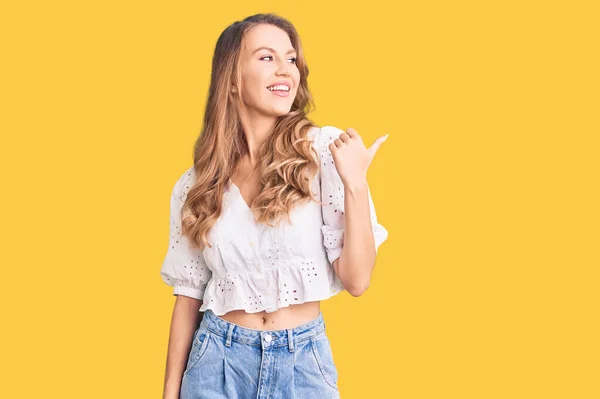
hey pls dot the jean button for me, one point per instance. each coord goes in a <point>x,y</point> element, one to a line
<point>268,338</point>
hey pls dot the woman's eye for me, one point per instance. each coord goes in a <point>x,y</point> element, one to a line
<point>270,56</point>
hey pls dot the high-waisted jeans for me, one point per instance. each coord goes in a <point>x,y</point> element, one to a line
<point>228,361</point>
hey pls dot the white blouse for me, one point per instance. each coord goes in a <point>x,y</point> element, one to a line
<point>256,267</point>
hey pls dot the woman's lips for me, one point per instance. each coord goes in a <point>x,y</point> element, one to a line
<point>280,93</point>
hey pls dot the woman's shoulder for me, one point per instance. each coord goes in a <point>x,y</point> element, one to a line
<point>184,182</point>
<point>324,134</point>
<point>322,137</point>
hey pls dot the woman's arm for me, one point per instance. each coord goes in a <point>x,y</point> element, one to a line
<point>355,265</point>
<point>351,231</point>
<point>184,322</point>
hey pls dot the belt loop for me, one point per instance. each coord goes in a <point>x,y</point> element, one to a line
<point>229,334</point>
<point>290,339</point>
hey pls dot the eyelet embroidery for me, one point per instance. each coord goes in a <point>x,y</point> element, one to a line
<point>184,265</point>
<point>293,279</point>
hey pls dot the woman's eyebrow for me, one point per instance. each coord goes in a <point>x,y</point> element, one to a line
<point>272,50</point>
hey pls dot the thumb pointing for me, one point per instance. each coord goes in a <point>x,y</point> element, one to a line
<point>378,143</point>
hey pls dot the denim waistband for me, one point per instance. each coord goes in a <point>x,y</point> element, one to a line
<point>264,338</point>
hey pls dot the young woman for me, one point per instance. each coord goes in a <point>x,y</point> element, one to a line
<point>274,216</point>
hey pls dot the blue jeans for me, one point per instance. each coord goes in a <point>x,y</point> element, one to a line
<point>228,361</point>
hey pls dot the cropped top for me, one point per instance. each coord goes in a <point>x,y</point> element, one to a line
<point>256,267</point>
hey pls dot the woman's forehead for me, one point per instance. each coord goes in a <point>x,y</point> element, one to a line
<point>266,36</point>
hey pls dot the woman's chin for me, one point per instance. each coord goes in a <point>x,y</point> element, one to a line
<point>281,111</point>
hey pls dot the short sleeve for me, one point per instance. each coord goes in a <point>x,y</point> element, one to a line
<point>332,196</point>
<point>184,267</point>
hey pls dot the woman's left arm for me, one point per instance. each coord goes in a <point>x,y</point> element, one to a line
<point>351,231</point>
<point>357,260</point>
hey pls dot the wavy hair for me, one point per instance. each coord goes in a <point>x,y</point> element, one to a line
<point>287,160</point>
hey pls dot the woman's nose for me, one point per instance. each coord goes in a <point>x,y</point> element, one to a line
<point>283,67</point>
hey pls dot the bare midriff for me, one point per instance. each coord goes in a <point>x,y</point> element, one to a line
<point>283,318</point>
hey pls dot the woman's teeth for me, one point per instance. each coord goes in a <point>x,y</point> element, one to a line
<point>279,88</point>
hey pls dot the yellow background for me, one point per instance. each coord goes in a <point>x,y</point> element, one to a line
<point>488,185</point>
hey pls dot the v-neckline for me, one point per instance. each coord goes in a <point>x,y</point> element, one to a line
<point>239,194</point>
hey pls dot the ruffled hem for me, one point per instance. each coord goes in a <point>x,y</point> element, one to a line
<point>219,311</point>
<point>273,289</point>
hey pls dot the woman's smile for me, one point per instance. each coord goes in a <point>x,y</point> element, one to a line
<point>280,93</point>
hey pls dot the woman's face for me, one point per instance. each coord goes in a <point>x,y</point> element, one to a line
<point>268,58</point>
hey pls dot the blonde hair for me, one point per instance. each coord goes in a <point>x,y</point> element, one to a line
<point>287,159</point>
